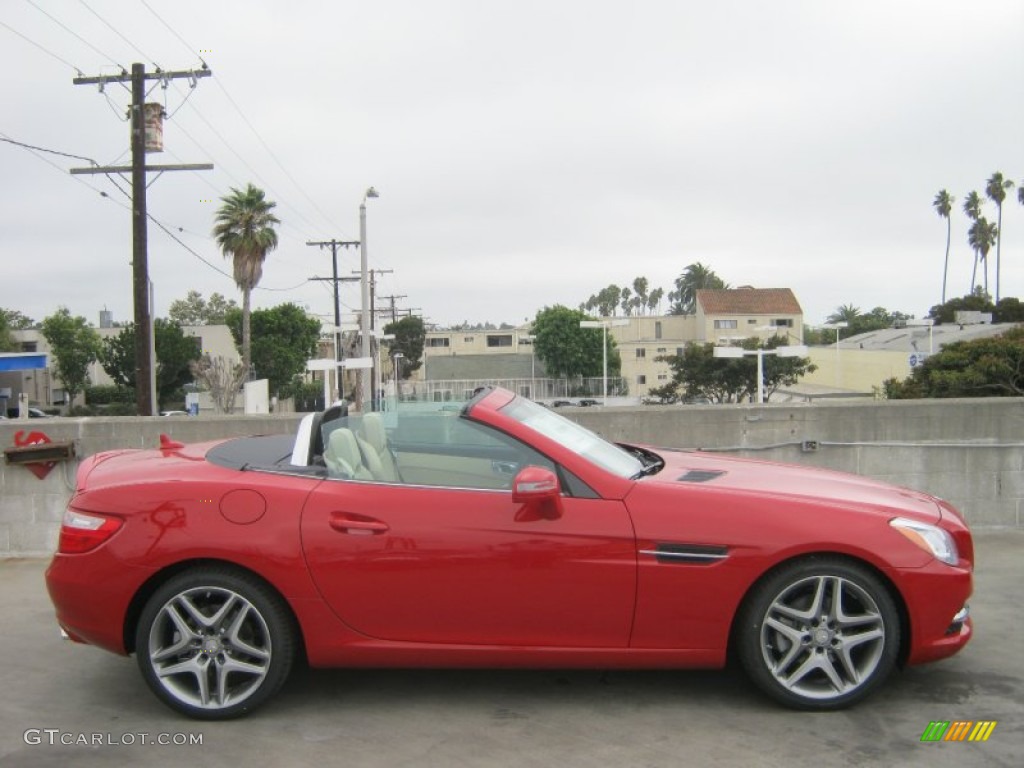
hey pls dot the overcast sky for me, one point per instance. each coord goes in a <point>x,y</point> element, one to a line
<point>527,153</point>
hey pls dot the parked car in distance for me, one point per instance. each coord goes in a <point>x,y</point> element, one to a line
<point>588,401</point>
<point>561,403</point>
<point>504,535</point>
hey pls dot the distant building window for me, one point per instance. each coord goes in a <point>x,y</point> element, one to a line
<point>679,351</point>
<point>438,341</point>
<point>467,340</point>
<point>641,379</point>
<point>662,376</point>
<point>725,325</point>
<point>785,322</point>
<point>752,321</point>
<point>504,340</point>
<point>641,353</point>
<point>662,350</point>
<point>30,346</point>
<point>657,329</point>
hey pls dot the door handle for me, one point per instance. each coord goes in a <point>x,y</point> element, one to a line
<point>357,524</point>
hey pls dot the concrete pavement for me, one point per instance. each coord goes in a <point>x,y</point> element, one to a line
<point>52,691</point>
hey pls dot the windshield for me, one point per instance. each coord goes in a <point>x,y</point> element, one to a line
<point>577,439</point>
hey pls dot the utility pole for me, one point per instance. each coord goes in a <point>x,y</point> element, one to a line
<point>373,290</point>
<point>334,244</point>
<point>392,298</point>
<point>145,396</point>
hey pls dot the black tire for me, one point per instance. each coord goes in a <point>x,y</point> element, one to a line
<point>818,634</point>
<point>214,643</point>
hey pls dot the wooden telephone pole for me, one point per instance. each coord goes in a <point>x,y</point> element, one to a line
<point>145,369</point>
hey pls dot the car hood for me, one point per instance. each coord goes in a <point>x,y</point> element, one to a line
<point>787,480</point>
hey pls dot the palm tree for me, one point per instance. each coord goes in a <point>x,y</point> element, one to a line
<point>996,188</point>
<point>972,207</point>
<point>245,231</point>
<point>943,204</point>
<point>694,277</point>
<point>846,313</point>
<point>982,236</point>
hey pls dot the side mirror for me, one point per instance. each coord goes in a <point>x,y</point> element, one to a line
<point>539,491</point>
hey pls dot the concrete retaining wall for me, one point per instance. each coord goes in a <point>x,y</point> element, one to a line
<point>970,452</point>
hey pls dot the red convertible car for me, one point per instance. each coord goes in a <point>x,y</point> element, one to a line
<point>498,534</point>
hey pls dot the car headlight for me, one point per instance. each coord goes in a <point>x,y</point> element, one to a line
<point>930,538</point>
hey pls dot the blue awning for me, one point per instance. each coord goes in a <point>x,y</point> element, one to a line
<point>21,361</point>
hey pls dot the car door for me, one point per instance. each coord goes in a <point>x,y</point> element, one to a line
<point>462,565</point>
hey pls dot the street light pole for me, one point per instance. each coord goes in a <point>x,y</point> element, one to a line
<point>604,325</point>
<point>837,326</point>
<point>734,352</point>
<point>365,285</point>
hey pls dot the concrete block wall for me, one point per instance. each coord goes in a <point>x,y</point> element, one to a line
<point>970,452</point>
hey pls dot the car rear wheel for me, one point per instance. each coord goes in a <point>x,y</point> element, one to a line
<point>214,643</point>
<point>819,634</point>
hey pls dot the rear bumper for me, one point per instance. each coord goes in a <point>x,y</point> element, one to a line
<point>91,593</point>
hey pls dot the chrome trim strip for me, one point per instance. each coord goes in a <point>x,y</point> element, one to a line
<point>684,555</point>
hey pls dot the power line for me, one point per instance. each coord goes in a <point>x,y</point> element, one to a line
<point>47,51</point>
<point>72,32</point>
<point>274,156</point>
<point>256,133</point>
<point>172,31</point>
<point>112,29</point>
<point>44,149</point>
<point>35,151</point>
<point>283,201</point>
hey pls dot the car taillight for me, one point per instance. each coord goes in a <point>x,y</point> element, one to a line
<point>81,532</point>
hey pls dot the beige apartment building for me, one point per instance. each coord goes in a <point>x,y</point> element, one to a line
<point>721,316</point>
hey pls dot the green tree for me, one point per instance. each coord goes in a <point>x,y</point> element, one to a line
<point>654,299</point>
<point>989,367</point>
<point>698,374</point>
<point>972,207</point>
<point>284,338</point>
<point>245,231</point>
<point>7,343</point>
<point>845,313</point>
<point>568,350</point>
<point>74,346</point>
<point>174,354</point>
<point>195,310</point>
<point>975,302</point>
<point>694,278</point>
<point>640,289</point>
<point>995,189</point>
<point>410,336</point>
<point>15,320</point>
<point>982,235</point>
<point>943,204</point>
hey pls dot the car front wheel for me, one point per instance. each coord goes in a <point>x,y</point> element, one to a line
<point>819,634</point>
<point>214,643</point>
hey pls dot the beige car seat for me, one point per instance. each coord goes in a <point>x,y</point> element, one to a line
<point>374,443</point>
<point>343,457</point>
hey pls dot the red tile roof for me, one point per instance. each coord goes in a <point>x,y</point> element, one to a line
<point>748,301</point>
